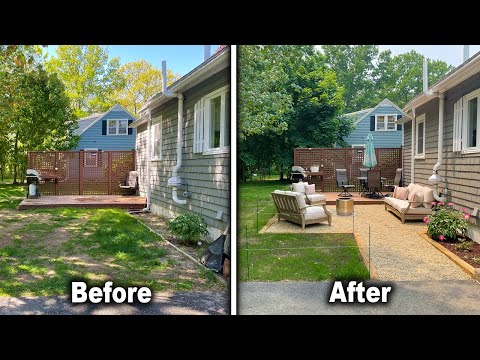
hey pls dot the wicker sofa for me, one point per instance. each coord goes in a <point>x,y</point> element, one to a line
<point>291,206</point>
<point>411,210</point>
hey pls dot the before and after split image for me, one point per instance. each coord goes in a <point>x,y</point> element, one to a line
<point>239,179</point>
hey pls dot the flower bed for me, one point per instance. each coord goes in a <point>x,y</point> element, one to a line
<point>448,226</point>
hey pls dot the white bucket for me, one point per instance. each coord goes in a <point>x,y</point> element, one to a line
<point>314,169</point>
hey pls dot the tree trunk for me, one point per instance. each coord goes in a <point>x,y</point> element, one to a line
<point>15,159</point>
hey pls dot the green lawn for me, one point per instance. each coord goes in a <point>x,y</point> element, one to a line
<point>271,257</point>
<point>41,251</point>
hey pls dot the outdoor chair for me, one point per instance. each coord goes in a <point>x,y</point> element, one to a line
<point>130,186</point>
<point>374,183</point>
<point>397,181</point>
<point>363,183</point>
<point>291,206</point>
<point>342,182</point>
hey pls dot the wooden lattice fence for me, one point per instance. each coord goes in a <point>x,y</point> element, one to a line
<point>81,172</point>
<point>388,160</point>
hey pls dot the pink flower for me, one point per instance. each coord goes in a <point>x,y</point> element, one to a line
<point>440,203</point>
<point>441,238</point>
<point>464,209</point>
<point>434,203</point>
<point>466,216</point>
<point>426,219</point>
<point>450,204</point>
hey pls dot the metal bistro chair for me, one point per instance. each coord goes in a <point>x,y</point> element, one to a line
<point>374,183</point>
<point>363,183</point>
<point>342,182</point>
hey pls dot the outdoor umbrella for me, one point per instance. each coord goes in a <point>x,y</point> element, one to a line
<point>369,159</point>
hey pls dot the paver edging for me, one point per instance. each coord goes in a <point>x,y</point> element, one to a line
<point>469,269</point>
<point>368,264</point>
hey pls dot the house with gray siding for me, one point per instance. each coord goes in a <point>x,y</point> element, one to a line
<point>107,131</point>
<point>183,145</point>
<point>380,121</point>
<point>441,145</point>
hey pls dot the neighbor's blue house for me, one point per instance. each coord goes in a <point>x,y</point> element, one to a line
<point>381,122</point>
<point>107,131</point>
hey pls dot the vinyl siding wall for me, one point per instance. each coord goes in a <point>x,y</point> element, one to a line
<point>208,176</point>
<point>93,138</point>
<point>383,139</point>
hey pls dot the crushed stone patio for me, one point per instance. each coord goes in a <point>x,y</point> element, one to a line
<point>397,250</point>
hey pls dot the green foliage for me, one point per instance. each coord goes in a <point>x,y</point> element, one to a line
<point>464,245</point>
<point>188,227</point>
<point>445,222</point>
<point>36,113</point>
<point>476,259</point>
<point>90,78</point>
<point>141,81</point>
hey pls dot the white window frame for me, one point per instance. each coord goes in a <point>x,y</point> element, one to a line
<point>222,92</point>
<point>385,123</point>
<point>465,123</point>
<point>358,146</point>
<point>419,120</point>
<point>156,122</point>
<point>117,124</point>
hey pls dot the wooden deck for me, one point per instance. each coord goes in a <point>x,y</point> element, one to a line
<point>84,201</point>
<point>359,200</point>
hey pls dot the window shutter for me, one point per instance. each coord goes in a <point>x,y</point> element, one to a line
<point>457,125</point>
<point>130,130</point>
<point>198,140</point>
<point>372,123</point>
<point>104,127</point>
<point>399,126</point>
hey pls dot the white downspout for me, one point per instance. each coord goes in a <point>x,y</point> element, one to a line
<point>412,157</point>
<point>435,179</point>
<point>178,165</point>
<point>149,145</point>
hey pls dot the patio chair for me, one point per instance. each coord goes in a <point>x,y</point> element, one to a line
<point>130,186</point>
<point>374,183</point>
<point>363,183</point>
<point>342,182</point>
<point>397,181</point>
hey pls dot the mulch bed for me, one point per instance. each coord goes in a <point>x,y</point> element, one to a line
<point>467,256</point>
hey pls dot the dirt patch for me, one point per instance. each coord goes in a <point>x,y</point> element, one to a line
<point>467,256</point>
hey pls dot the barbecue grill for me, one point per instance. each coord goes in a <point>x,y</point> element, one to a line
<point>33,179</point>
<point>297,174</point>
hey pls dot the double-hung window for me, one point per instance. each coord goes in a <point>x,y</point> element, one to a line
<point>420,137</point>
<point>117,127</point>
<point>156,140</point>
<point>466,122</point>
<point>385,122</point>
<point>212,122</point>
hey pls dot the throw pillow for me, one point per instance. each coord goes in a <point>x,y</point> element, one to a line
<point>401,193</point>
<point>310,189</point>
<point>410,187</point>
<point>428,197</point>
<point>416,198</point>
<point>299,187</point>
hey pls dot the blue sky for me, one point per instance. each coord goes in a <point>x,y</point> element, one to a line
<point>180,58</point>
<point>451,54</point>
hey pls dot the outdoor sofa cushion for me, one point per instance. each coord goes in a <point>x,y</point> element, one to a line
<point>310,189</point>
<point>300,197</point>
<point>416,198</point>
<point>315,198</point>
<point>314,212</point>
<point>299,187</point>
<point>401,193</point>
<point>401,206</point>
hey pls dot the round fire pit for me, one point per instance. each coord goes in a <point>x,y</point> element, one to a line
<point>344,206</point>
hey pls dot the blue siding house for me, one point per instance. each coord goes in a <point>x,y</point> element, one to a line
<point>381,122</point>
<point>107,131</point>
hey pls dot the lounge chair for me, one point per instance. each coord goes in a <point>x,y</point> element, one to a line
<point>291,206</point>
<point>311,199</point>
<point>342,182</point>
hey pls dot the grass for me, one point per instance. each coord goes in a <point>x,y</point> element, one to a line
<point>275,257</point>
<point>42,251</point>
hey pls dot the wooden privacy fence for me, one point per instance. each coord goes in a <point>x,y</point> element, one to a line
<point>81,172</point>
<point>388,160</point>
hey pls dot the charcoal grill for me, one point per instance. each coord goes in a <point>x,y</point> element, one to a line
<point>297,174</point>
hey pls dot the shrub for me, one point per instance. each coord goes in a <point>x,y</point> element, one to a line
<point>464,246</point>
<point>477,259</point>
<point>188,227</point>
<point>445,223</point>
